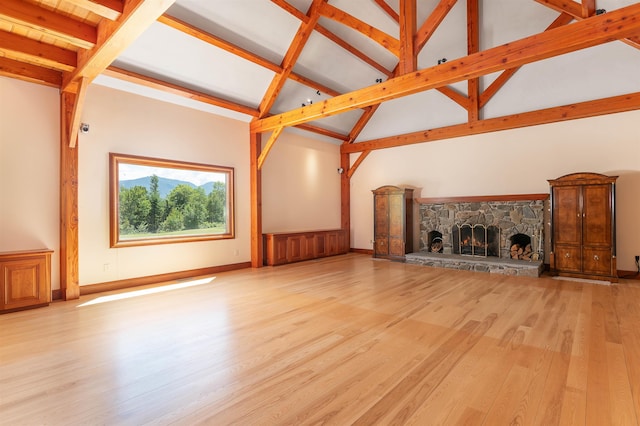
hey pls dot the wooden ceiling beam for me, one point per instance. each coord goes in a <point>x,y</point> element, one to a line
<point>593,31</point>
<point>35,52</point>
<point>385,40</point>
<point>295,49</point>
<point>612,105</point>
<point>29,72</point>
<point>109,9</point>
<point>113,38</point>
<point>334,38</point>
<point>48,23</point>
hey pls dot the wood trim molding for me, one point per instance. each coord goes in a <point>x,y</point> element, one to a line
<point>483,198</point>
<point>160,278</point>
<point>361,251</point>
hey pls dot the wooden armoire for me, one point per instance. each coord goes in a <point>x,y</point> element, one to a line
<point>583,227</point>
<point>393,222</point>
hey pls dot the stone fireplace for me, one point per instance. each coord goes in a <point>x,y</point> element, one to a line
<point>480,233</point>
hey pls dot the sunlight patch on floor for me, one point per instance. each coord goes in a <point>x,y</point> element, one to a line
<point>146,291</point>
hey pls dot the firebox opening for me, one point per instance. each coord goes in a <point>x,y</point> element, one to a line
<point>520,247</point>
<point>434,243</point>
<point>476,240</point>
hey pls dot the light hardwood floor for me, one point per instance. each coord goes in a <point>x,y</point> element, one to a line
<point>342,340</point>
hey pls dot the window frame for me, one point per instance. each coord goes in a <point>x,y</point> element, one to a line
<point>116,241</point>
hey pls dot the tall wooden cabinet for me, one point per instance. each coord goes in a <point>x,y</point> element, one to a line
<point>583,226</point>
<point>393,222</point>
<point>25,279</point>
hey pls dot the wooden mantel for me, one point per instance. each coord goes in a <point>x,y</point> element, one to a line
<point>483,198</point>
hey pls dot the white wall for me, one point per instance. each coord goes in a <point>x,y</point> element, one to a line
<point>29,169</point>
<point>130,124</point>
<point>511,162</point>
<point>300,185</point>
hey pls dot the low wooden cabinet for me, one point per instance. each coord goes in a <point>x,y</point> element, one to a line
<point>583,226</point>
<point>393,222</point>
<point>289,247</point>
<point>25,279</point>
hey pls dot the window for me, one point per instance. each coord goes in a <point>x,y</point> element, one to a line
<point>155,201</point>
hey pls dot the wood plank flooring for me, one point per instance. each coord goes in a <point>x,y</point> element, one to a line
<point>342,340</point>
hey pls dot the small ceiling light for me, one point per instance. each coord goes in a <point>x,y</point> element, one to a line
<point>600,11</point>
<point>318,92</point>
<point>378,80</point>
<point>442,61</point>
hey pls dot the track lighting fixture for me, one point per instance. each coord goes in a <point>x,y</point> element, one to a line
<point>600,11</point>
<point>442,61</point>
<point>378,80</point>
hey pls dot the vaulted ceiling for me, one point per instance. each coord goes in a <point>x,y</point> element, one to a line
<point>367,74</point>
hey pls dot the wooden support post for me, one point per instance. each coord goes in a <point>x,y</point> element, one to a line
<point>256,202</point>
<point>345,198</point>
<point>69,264</point>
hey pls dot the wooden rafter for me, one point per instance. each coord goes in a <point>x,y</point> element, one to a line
<point>432,23</point>
<point>408,57</point>
<point>591,32</point>
<point>578,11</point>
<point>388,9</point>
<point>380,37</point>
<point>110,9</point>
<point>29,72</point>
<point>421,38</point>
<point>114,37</point>
<point>299,40</point>
<point>36,52</point>
<point>174,89</point>
<point>334,38</point>
<point>612,105</point>
<point>193,31</point>
<point>501,80</point>
<point>48,23</point>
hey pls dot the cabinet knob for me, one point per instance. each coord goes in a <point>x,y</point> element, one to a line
<point>596,257</point>
<point>567,255</point>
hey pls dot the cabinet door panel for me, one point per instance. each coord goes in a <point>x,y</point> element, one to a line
<point>396,215</point>
<point>596,260</point>
<point>567,217</point>
<point>382,246</point>
<point>568,258</point>
<point>396,247</point>
<point>381,215</point>
<point>23,283</point>
<point>597,216</point>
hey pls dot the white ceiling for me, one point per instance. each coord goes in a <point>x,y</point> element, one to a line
<point>267,30</point>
